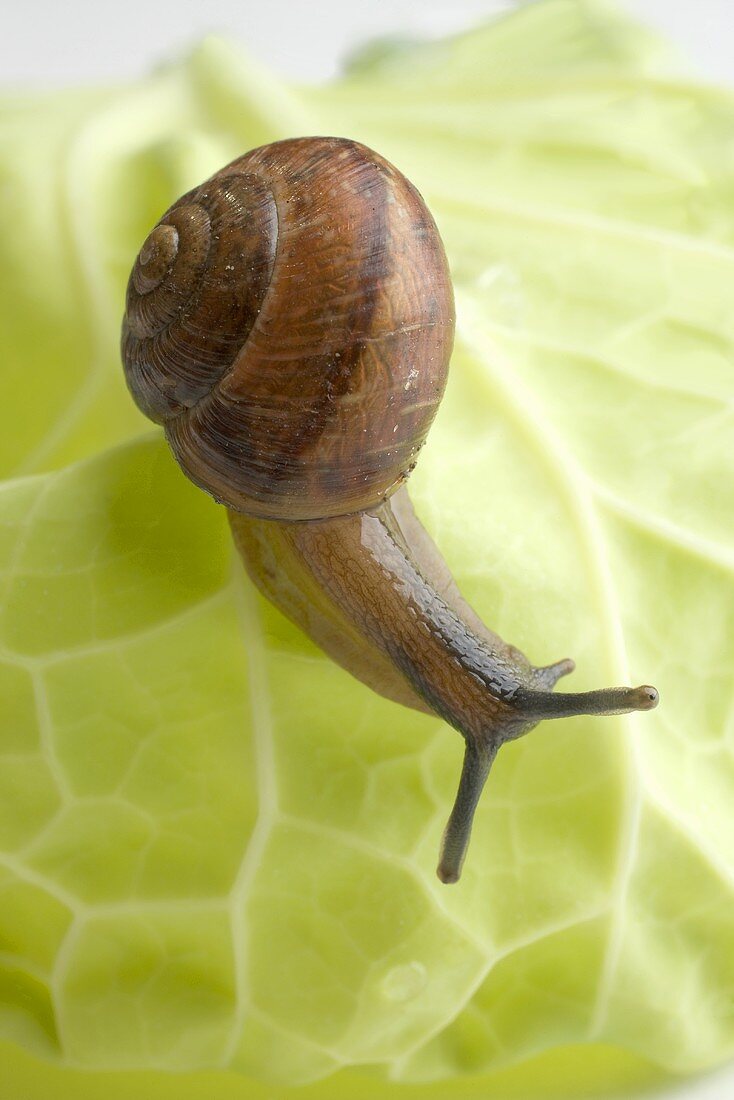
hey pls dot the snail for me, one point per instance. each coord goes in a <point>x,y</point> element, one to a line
<point>290,324</point>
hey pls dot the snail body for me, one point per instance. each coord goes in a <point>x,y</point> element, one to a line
<point>290,324</point>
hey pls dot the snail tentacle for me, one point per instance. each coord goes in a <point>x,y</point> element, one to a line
<point>478,759</point>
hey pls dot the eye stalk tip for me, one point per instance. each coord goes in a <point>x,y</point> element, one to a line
<point>648,697</point>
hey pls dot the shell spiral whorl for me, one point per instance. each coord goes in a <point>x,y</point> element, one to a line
<point>290,323</point>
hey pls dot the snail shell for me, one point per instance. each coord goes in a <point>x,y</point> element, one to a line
<point>290,323</point>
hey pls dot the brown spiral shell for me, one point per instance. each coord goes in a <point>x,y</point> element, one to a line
<point>290,323</point>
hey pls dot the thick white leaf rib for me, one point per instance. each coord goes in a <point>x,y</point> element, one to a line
<point>267,794</point>
<point>520,405</point>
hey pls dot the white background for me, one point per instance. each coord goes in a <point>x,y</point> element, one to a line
<point>53,43</point>
<point>57,42</point>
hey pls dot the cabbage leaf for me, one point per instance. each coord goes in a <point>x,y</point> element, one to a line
<point>216,849</point>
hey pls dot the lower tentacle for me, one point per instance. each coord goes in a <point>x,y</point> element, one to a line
<point>478,760</point>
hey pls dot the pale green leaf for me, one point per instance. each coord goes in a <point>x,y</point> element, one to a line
<point>216,849</point>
